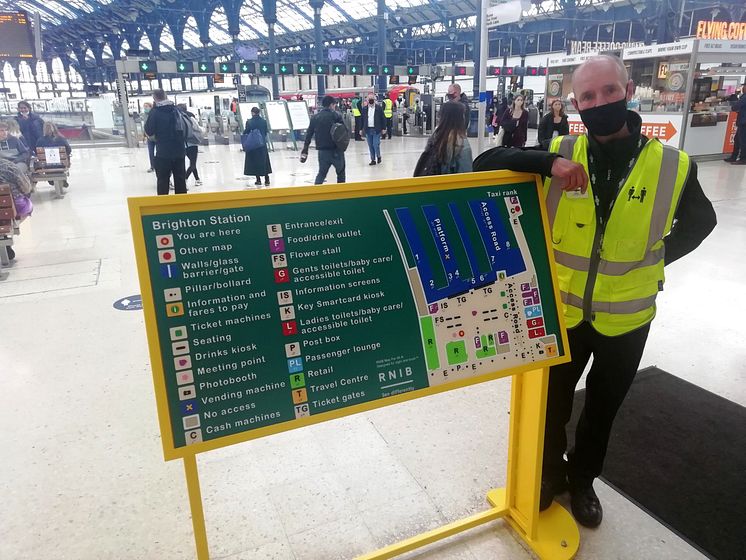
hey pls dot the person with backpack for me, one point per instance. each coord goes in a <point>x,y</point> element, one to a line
<point>254,141</point>
<point>332,138</point>
<point>447,150</point>
<point>169,130</point>
<point>193,142</point>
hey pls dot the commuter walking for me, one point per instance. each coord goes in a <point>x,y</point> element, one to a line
<point>256,161</point>
<point>553,124</point>
<point>165,124</point>
<point>193,142</point>
<point>740,140</point>
<point>447,150</point>
<point>31,124</point>
<point>388,113</point>
<point>644,209</point>
<point>514,123</point>
<point>321,126</point>
<point>375,125</point>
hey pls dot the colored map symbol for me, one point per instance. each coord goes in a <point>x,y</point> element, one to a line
<point>203,67</point>
<point>182,67</point>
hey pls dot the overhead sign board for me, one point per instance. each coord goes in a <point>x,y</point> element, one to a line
<point>206,67</point>
<point>653,51</point>
<point>184,67</point>
<point>500,12</point>
<point>299,330</point>
<point>247,67</point>
<point>722,30</point>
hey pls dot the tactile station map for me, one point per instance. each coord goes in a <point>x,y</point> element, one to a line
<point>267,314</point>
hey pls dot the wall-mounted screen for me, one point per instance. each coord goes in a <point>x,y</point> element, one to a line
<point>16,37</point>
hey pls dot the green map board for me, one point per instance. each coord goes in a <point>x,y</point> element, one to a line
<point>267,315</point>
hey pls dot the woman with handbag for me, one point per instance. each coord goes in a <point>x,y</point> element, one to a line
<point>514,122</point>
<point>256,159</point>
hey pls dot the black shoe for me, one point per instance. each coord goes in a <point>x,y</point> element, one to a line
<point>586,507</point>
<point>11,253</point>
<point>379,160</point>
<point>372,162</point>
<point>550,489</point>
<point>258,183</point>
<point>739,162</point>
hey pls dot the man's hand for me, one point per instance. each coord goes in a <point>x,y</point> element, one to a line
<point>572,175</point>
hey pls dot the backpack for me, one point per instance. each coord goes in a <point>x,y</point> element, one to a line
<point>340,136</point>
<point>252,141</point>
<point>182,125</point>
<point>195,136</point>
<point>428,163</point>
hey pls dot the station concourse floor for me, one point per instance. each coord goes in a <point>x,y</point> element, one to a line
<point>82,470</point>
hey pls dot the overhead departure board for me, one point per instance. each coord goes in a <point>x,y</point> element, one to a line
<point>16,37</point>
<point>273,310</point>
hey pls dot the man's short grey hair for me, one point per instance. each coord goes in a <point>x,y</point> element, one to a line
<point>621,68</point>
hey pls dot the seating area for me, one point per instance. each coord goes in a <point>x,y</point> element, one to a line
<point>51,165</point>
<point>8,228</point>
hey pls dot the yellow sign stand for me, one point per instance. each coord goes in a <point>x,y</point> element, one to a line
<point>552,534</point>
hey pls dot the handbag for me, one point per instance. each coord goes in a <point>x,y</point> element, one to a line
<point>252,141</point>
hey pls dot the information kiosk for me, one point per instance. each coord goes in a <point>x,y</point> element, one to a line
<point>272,310</point>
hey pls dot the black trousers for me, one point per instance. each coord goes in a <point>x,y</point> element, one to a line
<point>389,128</point>
<point>327,158</point>
<point>740,143</point>
<point>615,363</point>
<point>191,153</point>
<point>164,168</point>
<point>359,127</point>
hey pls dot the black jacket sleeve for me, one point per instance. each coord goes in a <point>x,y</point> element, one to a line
<point>149,123</point>
<point>693,222</point>
<point>543,132</point>
<point>526,160</point>
<point>309,133</point>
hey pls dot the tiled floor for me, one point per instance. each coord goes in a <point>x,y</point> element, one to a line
<point>82,472</point>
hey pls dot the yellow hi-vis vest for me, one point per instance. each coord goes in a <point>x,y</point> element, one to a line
<point>611,276</point>
<point>356,108</point>
<point>388,111</point>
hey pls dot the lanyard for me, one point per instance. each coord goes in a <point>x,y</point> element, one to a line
<point>592,169</point>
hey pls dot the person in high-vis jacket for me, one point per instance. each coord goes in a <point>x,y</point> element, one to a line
<point>388,114</point>
<point>642,209</point>
<point>358,116</point>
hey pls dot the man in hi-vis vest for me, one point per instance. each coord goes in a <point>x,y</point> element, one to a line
<point>643,209</point>
<point>388,114</point>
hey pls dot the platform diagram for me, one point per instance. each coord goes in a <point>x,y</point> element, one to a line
<point>472,276</point>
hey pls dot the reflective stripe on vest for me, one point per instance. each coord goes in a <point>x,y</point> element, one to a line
<point>356,108</point>
<point>388,108</point>
<point>631,252</point>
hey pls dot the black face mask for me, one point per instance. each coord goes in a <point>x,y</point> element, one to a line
<point>371,102</point>
<point>605,120</point>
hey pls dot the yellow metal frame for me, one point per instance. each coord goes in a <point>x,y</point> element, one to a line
<point>553,534</point>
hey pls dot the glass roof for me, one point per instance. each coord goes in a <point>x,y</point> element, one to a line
<point>292,16</point>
